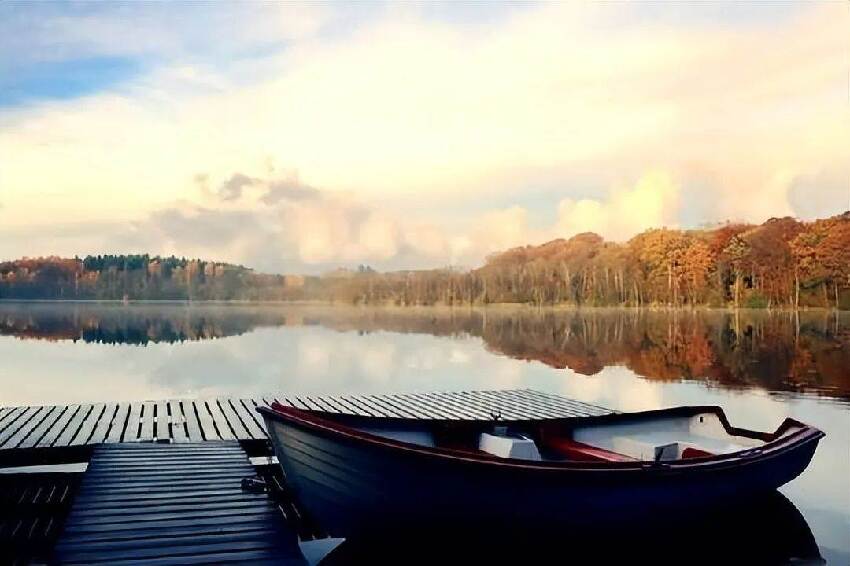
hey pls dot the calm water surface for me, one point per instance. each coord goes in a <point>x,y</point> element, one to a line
<point>760,367</point>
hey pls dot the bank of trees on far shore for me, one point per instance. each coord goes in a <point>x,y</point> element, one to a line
<point>782,263</point>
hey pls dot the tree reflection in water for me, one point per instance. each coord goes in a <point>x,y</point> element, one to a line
<point>780,351</point>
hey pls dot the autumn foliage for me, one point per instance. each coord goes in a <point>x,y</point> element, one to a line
<point>782,263</point>
<point>772,264</point>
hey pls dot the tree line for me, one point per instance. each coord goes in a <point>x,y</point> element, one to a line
<point>782,263</point>
<point>134,277</point>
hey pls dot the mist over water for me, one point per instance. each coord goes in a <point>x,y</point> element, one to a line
<point>760,367</point>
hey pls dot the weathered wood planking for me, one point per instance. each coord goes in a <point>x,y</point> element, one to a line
<point>187,421</point>
<point>173,504</point>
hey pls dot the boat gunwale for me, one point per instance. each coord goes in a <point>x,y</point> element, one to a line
<point>776,443</point>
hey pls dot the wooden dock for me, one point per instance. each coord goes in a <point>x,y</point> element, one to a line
<point>163,478</point>
<point>189,421</point>
<point>173,504</point>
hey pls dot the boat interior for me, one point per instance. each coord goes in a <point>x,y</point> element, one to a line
<point>654,438</point>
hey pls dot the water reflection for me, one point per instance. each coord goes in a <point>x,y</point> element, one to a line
<point>760,367</point>
<point>780,352</point>
<point>138,325</point>
<point>769,530</point>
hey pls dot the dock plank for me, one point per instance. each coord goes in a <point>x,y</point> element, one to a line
<point>178,422</point>
<point>581,408</point>
<point>134,424</point>
<point>225,430</point>
<point>355,407</point>
<point>15,420</point>
<point>206,421</point>
<point>24,419</point>
<point>248,417</point>
<point>50,436</point>
<point>146,418</point>
<point>401,405</point>
<point>239,430</point>
<point>162,422</point>
<point>44,428</point>
<point>547,405</point>
<point>508,409</point>
<point>98,434</point>
<point>119,423</point>
<point>193,424</point>
<point>462,410</point>
<point>89,424</point>
<point>27,428</point>
<point>321,404</point>
<point>389,408</point>
<point>429,407</point>
<point>7,412</point>
<point>334,404</point>
<point>294,401</point>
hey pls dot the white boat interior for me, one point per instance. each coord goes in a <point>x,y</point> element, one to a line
<point>663,438</point>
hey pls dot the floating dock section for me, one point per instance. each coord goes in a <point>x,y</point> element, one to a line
<point>173,503</point>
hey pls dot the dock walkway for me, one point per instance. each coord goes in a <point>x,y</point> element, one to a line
<point>190,421</point>
<point>170,504</point>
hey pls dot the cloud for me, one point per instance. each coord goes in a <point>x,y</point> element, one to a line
<point>279,224</point>
<point>831,186</point>
<point>282,224</point>
<point>231,189</point>
<point>289,189</point>
<point>652,202</point>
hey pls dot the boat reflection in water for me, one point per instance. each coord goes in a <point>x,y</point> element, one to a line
<point>766,530</point>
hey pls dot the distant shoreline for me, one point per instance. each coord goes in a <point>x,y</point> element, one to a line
<point>493,306</point>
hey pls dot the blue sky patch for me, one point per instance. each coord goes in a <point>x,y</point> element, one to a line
<point>66,79</point>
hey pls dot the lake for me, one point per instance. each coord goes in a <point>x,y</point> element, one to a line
<point>760,367</point>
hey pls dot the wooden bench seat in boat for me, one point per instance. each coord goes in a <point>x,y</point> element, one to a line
<point>573,450</point>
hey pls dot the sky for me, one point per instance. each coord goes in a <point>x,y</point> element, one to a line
<point>300,137</point>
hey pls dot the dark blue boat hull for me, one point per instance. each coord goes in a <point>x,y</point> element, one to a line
<point>351,486</point>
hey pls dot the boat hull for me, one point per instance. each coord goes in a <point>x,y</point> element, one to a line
<point>350,485</point>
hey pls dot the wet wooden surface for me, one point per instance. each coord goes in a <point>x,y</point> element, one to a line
<point>173,504</point>
<point>189,421</point>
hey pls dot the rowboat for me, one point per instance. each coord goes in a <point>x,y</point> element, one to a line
<point>353,473</point>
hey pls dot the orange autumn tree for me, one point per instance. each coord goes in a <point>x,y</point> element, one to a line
<point>697,263</point>
<point>822,256</point>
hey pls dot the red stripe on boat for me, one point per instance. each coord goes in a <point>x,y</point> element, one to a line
<point>689,452</point>
<point>584,452</point>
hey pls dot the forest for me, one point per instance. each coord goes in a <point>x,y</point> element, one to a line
<point>135,277</point>
<point>782,263</point>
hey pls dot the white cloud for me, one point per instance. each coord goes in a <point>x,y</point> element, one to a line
<point>379,235</point>
<point>652,202</point>
<point>501,229</point>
